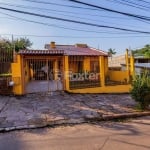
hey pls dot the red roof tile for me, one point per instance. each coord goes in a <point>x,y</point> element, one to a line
<point>70,50</point>
<point>41,52</point>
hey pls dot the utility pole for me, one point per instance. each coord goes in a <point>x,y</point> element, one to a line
<point>14,52</point>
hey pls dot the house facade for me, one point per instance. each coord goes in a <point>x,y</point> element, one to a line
<point>72,68</point>
<point>141,64</point>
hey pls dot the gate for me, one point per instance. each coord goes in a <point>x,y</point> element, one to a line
<point>43,74</point>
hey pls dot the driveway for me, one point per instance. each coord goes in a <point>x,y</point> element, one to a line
<point>45,109</point>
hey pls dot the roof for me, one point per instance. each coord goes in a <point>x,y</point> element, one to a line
<point>41,52</point>
<point>142,65</point>
<point>70,50</point>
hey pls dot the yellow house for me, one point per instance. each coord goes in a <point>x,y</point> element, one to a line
<point>72,68</point>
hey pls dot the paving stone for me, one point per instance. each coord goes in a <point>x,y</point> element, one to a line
<point>2,119</point>
<point>42,108</point>
<point>36,121</point>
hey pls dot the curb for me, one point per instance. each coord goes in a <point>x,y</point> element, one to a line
<point>121,116</point>
<point>76,121</point>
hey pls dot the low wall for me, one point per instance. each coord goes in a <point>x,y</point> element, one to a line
<point>122,76</point>
<point>104,89</point>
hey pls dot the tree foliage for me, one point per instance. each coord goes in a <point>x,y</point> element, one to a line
<point>20,43</point>
<point>111,52</point>
<point>140,91</point>
<point>145,51</point>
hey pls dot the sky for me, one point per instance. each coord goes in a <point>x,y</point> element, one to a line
<point>44,30</point>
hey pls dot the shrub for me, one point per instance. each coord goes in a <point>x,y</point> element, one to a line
<point>140,91</point>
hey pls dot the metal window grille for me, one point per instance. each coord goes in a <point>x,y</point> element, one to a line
<point>79,76</point>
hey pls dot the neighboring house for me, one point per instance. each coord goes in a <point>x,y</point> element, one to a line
<point>72,68</point>
<point>140,63</point>
<point>116,61</point>
<point>141,59</point>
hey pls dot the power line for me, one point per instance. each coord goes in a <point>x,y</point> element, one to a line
<point>65,36</point>
<point>46,9</point>
<point>73,21</point>
<point>144,1</point>
<point>28,7</point>
<point>139,19</point>
<point>50,3</point>
<point>111,10</point>
<point>39,8</point>
<point>127,3</point>
<point>132,4</point>
<point>63,27</point>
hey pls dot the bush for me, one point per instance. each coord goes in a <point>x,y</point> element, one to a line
<point>140,91</point>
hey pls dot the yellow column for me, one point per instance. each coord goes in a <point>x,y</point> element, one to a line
<point>106,65</point>
<point>66,72</point>
<point>102,70</point>
<point>132,68</point>
<point>127,60</point>
<point>86,64</point>
<point>17,76</point>
<point>55,70</point>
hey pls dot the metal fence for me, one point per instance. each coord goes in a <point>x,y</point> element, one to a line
<point>82,73</point>
<point>6,58</point>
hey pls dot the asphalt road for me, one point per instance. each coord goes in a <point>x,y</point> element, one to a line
<point>128,135</point>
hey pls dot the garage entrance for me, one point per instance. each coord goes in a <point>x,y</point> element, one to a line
<point>43,75</point>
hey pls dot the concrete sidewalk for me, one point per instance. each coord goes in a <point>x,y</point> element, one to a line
<point>42,109</point>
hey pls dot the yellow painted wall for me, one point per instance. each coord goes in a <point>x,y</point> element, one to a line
<point>106,65</point>
<point>17,76</point>
<point>118,75</point>
<point>86,64</point>
<point>104,89</point>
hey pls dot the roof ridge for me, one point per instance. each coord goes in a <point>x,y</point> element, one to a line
<point>98,50</point>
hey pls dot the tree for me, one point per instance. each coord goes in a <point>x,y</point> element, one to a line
<point>147,54</point>
<point>21,43</point>
<point>6,51</point>
<point>111,52</point>
<point>145,51</point>
<point>140,91</point>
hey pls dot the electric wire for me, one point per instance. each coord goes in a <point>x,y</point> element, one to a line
<point>50,3</point>
<point>63,27</point>
<point>111,10</point>
<point>73,21</point>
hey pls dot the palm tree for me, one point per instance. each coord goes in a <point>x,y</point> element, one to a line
<point>111,52</point>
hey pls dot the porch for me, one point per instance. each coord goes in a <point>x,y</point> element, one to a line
<point>43,86</point>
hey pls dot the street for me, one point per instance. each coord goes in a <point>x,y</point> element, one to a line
<point>130,134</point>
